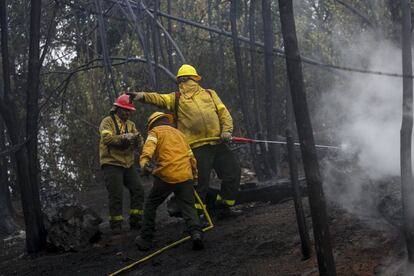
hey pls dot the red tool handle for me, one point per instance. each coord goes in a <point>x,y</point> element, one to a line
<point>242,140</point>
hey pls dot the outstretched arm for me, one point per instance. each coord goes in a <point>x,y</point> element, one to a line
<point>166,101</point>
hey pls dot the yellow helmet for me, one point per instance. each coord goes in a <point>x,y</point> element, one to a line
<point>157,115</point>
<point>188,70</point>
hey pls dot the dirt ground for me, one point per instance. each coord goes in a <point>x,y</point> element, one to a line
<point>262,241</point>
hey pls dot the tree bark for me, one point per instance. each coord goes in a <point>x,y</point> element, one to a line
<point>143,41</point>
<point>241,83</point>
<point>222,67</point>
<point>406,131</point>
<point>7,222</point>
<point>169,47</point>
<point>35,231</point>
<point>156,44</point>
<point>304,127</point>
<point>270,83</point>
<point>265,172</point>
<point>294,180</point>
<point>109,79</point>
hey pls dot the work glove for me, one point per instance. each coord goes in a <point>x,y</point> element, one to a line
<point>128,136</point>
<point>139,96</point>
<point>135,139</point>
<point>147,169</point>
<point>226,137</point>
<point>138,141</point>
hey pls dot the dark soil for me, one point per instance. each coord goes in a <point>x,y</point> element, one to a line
<point>262,241</point>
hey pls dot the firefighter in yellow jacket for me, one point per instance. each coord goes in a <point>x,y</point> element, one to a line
<point>119,139</point>
<point>200,113</point>
<point>174,172</point>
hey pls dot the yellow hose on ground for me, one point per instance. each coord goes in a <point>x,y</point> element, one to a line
<point>208,139</point>
<point>165,248</point>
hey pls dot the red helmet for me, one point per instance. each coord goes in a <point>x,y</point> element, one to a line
<point>123,102</point>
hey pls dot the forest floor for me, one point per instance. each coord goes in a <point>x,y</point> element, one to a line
<point>262,241</point>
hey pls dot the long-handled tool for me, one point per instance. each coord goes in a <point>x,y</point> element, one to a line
<point>249,140</point>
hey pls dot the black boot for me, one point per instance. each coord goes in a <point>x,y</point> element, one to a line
<point>224,211</point>
<point>135,222</point>
<point>197,238</point>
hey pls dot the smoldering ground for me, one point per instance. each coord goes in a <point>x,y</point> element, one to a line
<point>364,113</point>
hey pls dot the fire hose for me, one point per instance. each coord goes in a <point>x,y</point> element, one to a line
<point>249,140</point>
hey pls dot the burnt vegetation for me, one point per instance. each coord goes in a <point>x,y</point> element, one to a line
<point>275,64</point>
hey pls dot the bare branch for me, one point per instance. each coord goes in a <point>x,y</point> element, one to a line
<point>356,12</point>
<point>180,54</point>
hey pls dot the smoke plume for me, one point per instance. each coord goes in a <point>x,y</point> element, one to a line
<point>363,112</point>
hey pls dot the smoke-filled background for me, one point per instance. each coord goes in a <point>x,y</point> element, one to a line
<point>364,114</point>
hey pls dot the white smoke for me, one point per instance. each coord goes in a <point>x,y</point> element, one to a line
<point>364,112</point>
<point>366,108</point>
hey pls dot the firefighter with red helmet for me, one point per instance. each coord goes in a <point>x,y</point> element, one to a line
<point>119,139</point>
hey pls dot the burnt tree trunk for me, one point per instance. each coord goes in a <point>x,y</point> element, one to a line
<point>406,131</point>
<point>7,222</point>
<point>35,232</point>
<point>241,85</point>
<point>109,79</point>
<point>304,127</point>
<point>156,44</point>
<point>212,38</point>
<point>26,154</point>
<point>294,180</point>
<point>143,39</point>
<point>222,68</point>
<point>266,171</point>
<point>270,83</point>
<point>169,47</point>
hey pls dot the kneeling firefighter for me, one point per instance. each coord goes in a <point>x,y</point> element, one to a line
<point>174,172</point>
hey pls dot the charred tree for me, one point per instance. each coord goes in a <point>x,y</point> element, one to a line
<point>109,79</point>
<point>220,42</point>
<point>270,82</point>
<point>156,44</point>
<point>211,34</point>
<point>304,127</point>
<point>169,47</point>
<point>26,150</point>
<point>294,180</point>
<point>143,39</point>
<point>241,85</point>
<point>406,131</point>
<point>7,222</point>
<point>266,172</point>
<point>36,232</point>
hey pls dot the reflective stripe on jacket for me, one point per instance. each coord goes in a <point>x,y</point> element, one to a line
<point>200,114</point>
<point>174,159</point>
<point>113,149</point>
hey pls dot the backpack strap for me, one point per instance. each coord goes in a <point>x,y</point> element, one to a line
<point>210,93</point>
<point>176,105</point>
<point>118,131</point>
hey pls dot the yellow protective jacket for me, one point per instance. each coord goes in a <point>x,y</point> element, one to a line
<point>173,157</point>
<point>201,113</point>
<point>113,149</point>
